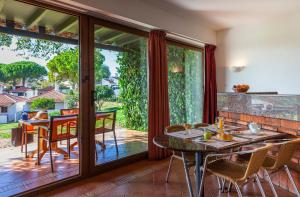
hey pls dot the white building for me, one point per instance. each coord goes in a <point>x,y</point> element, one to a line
<point>58,97</point>
<point>23,92</point>
<point>11,107</point>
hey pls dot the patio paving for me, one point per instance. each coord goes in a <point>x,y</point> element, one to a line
<point>18,173</point>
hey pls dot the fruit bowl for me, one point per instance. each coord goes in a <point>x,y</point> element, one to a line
<point>241,88</point>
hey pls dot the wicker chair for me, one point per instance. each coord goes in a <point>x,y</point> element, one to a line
<point>234,172</point>
<point>280,161</point>
<point>190,157</point>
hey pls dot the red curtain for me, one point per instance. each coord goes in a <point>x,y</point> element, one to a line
<point>210,92</point>
<point>158,117</point>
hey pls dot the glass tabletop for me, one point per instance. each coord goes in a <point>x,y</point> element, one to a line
<point>188,145</point>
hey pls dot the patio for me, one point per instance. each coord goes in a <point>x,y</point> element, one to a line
<point>19,174</point>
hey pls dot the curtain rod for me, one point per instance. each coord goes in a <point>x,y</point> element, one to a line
<point>185,39</point>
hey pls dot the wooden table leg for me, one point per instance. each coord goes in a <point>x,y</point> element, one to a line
<point>59,150</point>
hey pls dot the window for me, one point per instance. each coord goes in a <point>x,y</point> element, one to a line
<point>121,86</point>
<point>4,109</point>
<point>185,82</point>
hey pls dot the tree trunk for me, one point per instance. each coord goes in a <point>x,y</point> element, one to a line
<point>23,81</point>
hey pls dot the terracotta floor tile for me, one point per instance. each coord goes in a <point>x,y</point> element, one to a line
<point>18,174</point>
<point>149,181</point>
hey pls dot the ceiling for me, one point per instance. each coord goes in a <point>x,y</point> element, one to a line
<point>222,14</point>
<point>17,18</point>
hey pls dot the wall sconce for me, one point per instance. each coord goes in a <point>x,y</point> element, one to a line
<point>238,68</point>
<point>177,69</point>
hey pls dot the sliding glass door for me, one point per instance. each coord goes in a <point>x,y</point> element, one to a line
<point>39,86</point>
<point>120,93</point>
<point>185,82</point>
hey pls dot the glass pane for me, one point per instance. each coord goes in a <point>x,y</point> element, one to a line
<point>39,77</point>
<point>120,66</point>
<point>185,85</point>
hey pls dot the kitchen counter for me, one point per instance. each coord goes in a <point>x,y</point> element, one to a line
<point>280,106</point>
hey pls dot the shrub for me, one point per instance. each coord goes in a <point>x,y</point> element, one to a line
<point>133,88</point>
<point>54,113</point>
<point>43,104</point>
<point>72,99</point>
<point>102,94</point>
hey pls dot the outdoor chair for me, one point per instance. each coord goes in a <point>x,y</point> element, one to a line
<point>272,164</point>
<point>65,112</point>
<point>105,123</point>
<point>190,157</point>
<point>52,135</point>
<point>234,172</point>
<point>28,129</point>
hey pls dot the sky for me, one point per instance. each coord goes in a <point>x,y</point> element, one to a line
<point>8,56</point>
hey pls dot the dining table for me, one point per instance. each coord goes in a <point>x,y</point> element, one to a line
<point>43,145</point>
<point>192,141</point>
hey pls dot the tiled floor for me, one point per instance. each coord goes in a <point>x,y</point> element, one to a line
<point>129,143</point>
<point>147,179</point>
<point>19,174</point>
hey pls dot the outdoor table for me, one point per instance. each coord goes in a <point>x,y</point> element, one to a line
<point>201,150</point>
<point>43,145</point>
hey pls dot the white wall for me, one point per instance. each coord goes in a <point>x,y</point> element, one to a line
<point>269,50</point>
<point>142,12</point>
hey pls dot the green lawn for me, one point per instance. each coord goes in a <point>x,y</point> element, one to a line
<point>115,106</point>
<point>5,129</point>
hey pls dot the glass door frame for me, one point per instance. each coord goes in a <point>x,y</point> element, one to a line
<point>84,170</point>
<point>86,83</point>
<point>126,160</point>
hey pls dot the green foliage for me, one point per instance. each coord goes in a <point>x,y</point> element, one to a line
<point>133,88</point>
<point>5,39</point>
<point>72,99</point>
<point>176,86</point>
<point>102,73</point>
<point>43,104</point>
<point>54,113</point>
<point>102,94</point>
<point>185,88</point>
<point>44,49</point>
<point>23,70</point>
<point>2,76</point>
<point>66,66</point>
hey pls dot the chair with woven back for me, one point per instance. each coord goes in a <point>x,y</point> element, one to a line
<point>274,163</point>
<point>29,129</point>
<point>54,134</point>
<point>190,157</point>
<point>105,123</point>
<point>235,172</point>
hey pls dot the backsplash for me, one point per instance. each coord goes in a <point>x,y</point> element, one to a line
<point>274,106</point>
